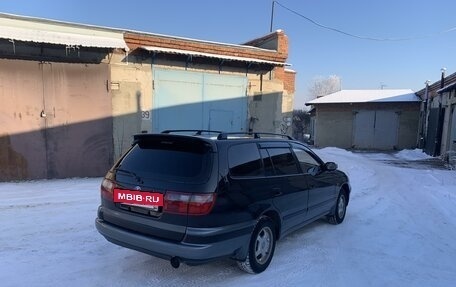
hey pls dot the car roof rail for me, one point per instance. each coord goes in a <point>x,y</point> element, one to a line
<point>256,135</point>
<point>196,132</point>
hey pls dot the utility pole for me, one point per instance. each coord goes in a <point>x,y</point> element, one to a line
<point>272,16</point>
<point>424,116</point>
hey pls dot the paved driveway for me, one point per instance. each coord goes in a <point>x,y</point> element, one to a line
<point>402,160</point>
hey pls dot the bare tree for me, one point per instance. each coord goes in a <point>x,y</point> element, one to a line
<point>322,86</point>
<point>301,124</point>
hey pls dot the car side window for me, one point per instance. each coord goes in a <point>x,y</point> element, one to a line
<point>244,160</point>
<point>283,161</point>
<point>306,161</point>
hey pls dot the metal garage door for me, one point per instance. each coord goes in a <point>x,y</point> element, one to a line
<point>434,131</point>
<point>452,139</point>
<point>56,120</point>
<point>194,100</point>
<point>452,126</point>
<point>375,129</point>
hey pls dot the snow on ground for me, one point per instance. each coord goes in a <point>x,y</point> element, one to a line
<point>400,230</point>
<point>416,154</point>
<point>407,155</point>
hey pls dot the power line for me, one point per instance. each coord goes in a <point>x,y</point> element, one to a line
<point>354,35</point>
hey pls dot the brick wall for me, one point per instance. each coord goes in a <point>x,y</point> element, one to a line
<point>135,40</point>
<point>289,81</point>
<point>274,41</point>
<point>283,44</point>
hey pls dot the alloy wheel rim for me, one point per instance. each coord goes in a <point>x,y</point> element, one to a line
<point>341,206</point>
<point>263,245</point>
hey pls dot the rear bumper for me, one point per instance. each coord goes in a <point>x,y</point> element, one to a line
<point>190,253</point>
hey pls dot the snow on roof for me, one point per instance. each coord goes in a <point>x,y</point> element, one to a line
<point>243,46</point>
<point>35,22</point>
<point>61,38</point>
<point>367,96</point>
<point>41,31</point>
<point>210,55</point>
<point>447,88</point>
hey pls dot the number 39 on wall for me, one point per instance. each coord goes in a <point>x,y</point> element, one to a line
<point>145,115</point>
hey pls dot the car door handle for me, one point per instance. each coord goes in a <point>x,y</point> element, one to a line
<point>277,191</point>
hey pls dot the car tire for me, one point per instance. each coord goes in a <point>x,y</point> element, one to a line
<point>261,247</point>
<point>338,216</point>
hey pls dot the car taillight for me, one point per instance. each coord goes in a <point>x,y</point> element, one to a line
<point>107,188</point>
<point>201,204</point>
<point>188,203</point>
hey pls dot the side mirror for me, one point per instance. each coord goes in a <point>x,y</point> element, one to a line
<point>330,166</point>
<point>314,170</point>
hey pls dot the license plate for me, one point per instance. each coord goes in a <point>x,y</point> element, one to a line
<point>138,197</point>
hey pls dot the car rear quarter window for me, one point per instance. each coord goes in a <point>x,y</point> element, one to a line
<point>244,160</point>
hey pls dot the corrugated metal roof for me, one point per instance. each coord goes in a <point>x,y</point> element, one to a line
<point>61,38</point>
<point>36,21</point>
<point>447,88</point>
<point>367,96</point>
<point>436,85</point>
<point>210,55</point>
<point>94,40</point>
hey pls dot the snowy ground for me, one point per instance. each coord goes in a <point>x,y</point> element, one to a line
<point>400,230</point>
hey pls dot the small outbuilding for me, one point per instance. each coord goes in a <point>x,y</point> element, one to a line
<point>367,119</point>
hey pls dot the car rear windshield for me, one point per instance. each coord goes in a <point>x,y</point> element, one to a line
<point>172,159</point>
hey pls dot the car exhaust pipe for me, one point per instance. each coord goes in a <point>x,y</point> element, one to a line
<point>175,262</point>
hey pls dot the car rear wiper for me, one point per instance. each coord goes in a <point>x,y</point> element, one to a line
<point>137,177</point>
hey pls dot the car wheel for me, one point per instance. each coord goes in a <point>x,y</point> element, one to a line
<point>340,210</point>
<point>261,247</point>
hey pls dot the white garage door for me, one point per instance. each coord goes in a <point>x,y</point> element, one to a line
<point>375,129</point>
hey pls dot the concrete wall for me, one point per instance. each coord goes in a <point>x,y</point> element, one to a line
<point>131,92</point>
<point>265,103</point>
<point>334,123</point>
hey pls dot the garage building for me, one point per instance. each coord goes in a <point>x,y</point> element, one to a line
<point>73,95</point>
<point>367,119</point>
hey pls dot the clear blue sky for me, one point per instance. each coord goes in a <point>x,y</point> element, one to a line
<point>313,51</point>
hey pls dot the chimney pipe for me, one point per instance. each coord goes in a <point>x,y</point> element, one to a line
<point>442,79</point>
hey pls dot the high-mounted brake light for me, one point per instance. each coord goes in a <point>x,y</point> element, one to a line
<point>188,203</point>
